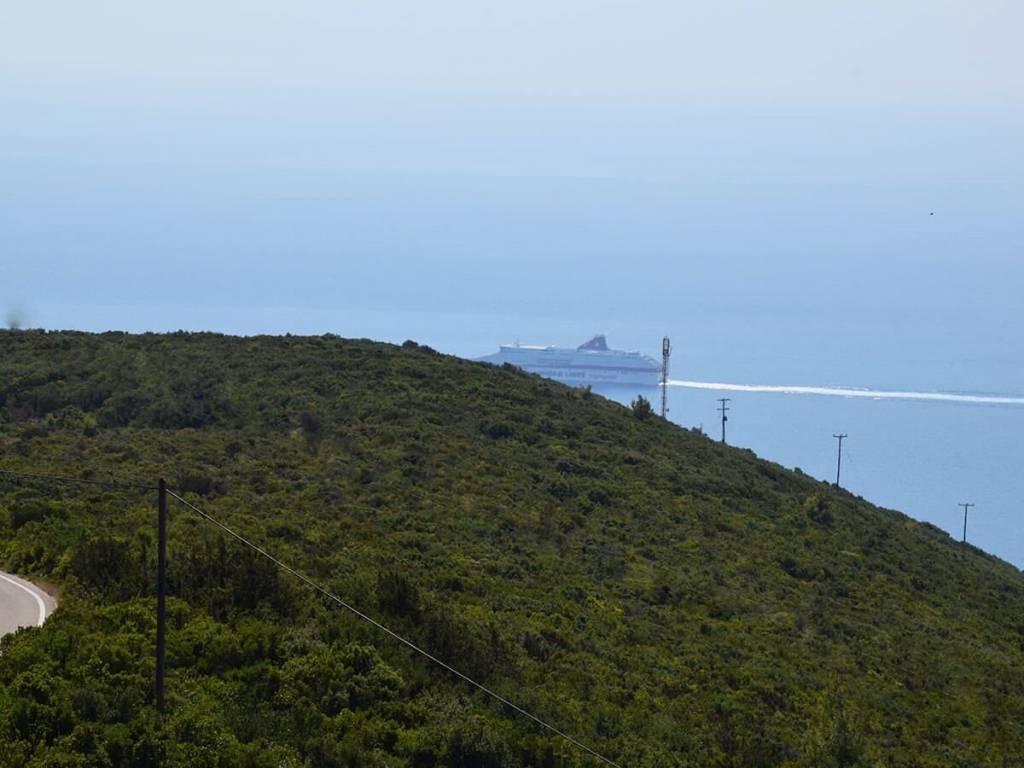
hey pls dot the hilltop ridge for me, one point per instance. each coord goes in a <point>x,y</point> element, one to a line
<point>667,599</point>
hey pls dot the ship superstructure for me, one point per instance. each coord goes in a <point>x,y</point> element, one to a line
<point>590,363</point>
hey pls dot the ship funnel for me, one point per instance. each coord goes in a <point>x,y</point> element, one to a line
<point>598,344</point>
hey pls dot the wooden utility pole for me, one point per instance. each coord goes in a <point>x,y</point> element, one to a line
<point>161,592</point>
<point>839,459</point>
<point>966,505</point>
<point>723,409</point>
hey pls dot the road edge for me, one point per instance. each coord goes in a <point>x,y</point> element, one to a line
<point>45,602</point>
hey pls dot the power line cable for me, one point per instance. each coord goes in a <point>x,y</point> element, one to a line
<point>426,654</point>
<point>116,484</point>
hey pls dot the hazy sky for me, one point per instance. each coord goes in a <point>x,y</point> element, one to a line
<point>415,155</point>
<point>907,53</point>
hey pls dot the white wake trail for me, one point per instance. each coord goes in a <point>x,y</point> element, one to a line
<point>877,394</point>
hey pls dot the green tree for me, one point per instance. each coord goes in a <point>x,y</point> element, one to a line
<point>641,407</point>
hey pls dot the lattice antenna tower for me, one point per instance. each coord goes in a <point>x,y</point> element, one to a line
<point>666,353</point>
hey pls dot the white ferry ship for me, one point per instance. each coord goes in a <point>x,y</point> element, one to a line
<point>591,363</point>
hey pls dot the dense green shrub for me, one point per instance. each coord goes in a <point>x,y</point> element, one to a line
<point>669,600</point>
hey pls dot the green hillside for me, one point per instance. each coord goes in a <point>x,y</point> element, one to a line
<point>665,599</point>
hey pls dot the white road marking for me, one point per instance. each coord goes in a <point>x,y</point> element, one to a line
<point>38,599</point>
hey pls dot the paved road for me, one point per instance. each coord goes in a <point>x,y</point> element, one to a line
<point>22,604</point>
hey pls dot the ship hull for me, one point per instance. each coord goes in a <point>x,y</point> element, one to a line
<point>580,376</point>
<point>582,368</point>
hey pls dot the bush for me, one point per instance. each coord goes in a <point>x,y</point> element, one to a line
<point>109,565</point>
<point>397,595</point>
<point>817,508</point>
<point>34,511</point>
<point>641,407</point>
<point>497,431</point>
<point>474,744</point>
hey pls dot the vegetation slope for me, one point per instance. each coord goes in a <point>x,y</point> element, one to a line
<point>666,599</point>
